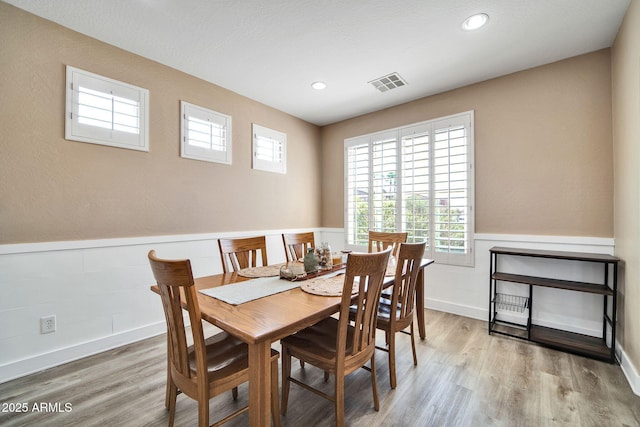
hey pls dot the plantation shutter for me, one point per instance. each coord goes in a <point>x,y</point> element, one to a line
<point>416,190</point>
<point>357,193</point>
<point>452,192</point>
<point>384,180</point>
<point>416,179</point>
<point>206,134</point>
<point>104,111</point>
<point>269,149</point>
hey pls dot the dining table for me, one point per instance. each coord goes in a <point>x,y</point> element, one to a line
<point>262,321</point>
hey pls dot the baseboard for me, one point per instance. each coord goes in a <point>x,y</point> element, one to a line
<point>61,356</point>
<point>460,310</point>
<point>629,371</point>
<point>483,314</point>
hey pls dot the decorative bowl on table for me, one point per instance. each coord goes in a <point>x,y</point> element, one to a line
<point>292,271</point>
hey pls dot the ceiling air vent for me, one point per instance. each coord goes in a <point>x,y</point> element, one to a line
<point>388,82</point>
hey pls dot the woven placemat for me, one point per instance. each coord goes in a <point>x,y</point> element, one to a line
<point>266,271</point>
<point>327,286</point>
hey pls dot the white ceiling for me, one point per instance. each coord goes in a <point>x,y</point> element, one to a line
<point>272,50</point>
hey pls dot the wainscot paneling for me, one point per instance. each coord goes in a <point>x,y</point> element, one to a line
<point>99,291</point>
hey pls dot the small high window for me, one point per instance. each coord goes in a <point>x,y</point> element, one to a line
<point>100,110</point>
<point>206,134</point>
<point>269,149</point>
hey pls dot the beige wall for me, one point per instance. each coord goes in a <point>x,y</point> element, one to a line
<point>626,137</point>
<point>52,189</point>
<point>542,148</point>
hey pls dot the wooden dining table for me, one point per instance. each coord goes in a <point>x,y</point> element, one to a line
<point>263,321</point>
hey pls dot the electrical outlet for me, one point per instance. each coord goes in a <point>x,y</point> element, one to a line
<point>47,324</point>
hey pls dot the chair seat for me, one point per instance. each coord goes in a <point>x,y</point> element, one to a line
<point>384,313</point>
<point>225,355</point>
<point>385,310</point>
<point>318,340</point>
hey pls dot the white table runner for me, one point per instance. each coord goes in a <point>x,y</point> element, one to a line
<point>238,293</point>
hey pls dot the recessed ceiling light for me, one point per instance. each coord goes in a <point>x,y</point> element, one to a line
<point>318,85</point>
<point>475,21</point>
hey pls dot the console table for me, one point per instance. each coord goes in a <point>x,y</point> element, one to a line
<point>601,348</point>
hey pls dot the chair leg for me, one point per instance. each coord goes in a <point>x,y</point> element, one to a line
<point>392,359</point>
<point>326,376</point>
<point>203,412</point>
<point>413,347</point>
<point>172,393</point>
<point>339,403</point>
<point>374,383</point>
<point>286,373</point>
<point>275,410</point>
<point>167,397</point>
<point>234,393</point>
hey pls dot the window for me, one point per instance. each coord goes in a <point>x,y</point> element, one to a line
<point>206,135</point>
<point>103,111</point>
<point>269,149</point>
<point>418,179</point>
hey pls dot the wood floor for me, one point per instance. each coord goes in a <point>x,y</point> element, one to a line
<point>464,377</point>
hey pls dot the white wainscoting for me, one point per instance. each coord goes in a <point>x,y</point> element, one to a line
<point>99,291</point>
<point>465,290</point>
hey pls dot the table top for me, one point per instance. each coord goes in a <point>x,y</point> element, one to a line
<point>270,318</point>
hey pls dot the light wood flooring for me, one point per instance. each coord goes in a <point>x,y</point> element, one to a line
<point>464,377</point>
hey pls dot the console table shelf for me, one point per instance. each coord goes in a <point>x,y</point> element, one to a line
<point>592,288</point>
<point>584,345</point>
<point>601,348</point>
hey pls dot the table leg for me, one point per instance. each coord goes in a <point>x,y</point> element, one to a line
<point>420,303</point>
<point>259,384</point>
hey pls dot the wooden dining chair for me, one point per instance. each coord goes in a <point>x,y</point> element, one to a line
<point>381,240</point>
<point>296,245</point>
<point>242,253</point>
<point>335,345</point>
<point>208,367</point>
<point>396,314</point>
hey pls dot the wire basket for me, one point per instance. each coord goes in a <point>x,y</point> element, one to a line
<point>511,302</point>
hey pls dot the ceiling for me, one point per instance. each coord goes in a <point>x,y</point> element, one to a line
<point>272,50</point>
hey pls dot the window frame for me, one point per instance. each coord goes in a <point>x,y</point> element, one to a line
<point>367,174</point>
<point>83,132</point>
<point>193,152</point>
<point>260,132</point>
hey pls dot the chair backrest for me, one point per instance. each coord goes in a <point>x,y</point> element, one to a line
<point>173,277</point>
<point>380,240</point>
<point>404,285</point>
<point>242,253</point>
<point>368,271</point>
<point>296,245</point>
